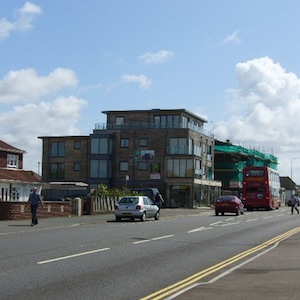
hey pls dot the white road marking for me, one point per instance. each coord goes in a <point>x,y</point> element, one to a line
<point>199,229</point>
<point>154,239</point>
<point>229,224</point>
<point>251,220</point>
<point>72,256</point>
<point>162,237</point>
<point>216,223</point>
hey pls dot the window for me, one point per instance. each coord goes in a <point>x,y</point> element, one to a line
<point>124,166</point>
<point>198,167</point>
<point>15,194</point>
<point>100,145</point>
<point>57,171</point>
<point>143,142</point>
<point>142,165</point>
<point>57,149</point>
<point>167,121</point>
<point>120,120</point>
<point>180,168</point>
<point>178,146</point>
<point>12,160</point>
<point>77,167</point>
<point>209,149</point>
<point>124,143</point>
<point>77,144</point>
<point>100,168</point>
<point>185,122</point>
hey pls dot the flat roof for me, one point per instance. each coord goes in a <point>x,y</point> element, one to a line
<point>158,110</point>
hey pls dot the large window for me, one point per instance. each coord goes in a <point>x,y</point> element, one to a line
<point>100,168</point>
<point>180,168</point>
<point>167,121</point>
<point>57,171</point>
<point>58,149</point>
<point>178,146</point>
<point>12,160</point>
<point>100,145</point>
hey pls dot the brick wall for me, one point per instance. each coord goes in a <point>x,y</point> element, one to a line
<point>19,211</point>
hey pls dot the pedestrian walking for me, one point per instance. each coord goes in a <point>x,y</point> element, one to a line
<point>34,201</point>
<point>158,200</point>
<point>294,204</point>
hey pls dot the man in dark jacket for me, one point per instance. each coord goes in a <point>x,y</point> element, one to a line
<point>294,203</point>
<point>34,200</point>
<point>158,200</point>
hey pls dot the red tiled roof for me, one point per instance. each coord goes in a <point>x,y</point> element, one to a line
<point>19,175</point>
<point>6,147</point>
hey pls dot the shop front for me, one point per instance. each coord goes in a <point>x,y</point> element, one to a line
<point>199,193</point>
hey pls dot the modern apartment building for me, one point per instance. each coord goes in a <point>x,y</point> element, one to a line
<point>163,148</point>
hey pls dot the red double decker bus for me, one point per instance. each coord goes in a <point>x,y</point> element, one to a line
<point>261,188</point>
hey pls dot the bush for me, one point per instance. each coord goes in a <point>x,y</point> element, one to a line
<point>113,192</point>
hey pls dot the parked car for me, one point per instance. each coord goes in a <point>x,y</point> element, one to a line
<point>229,204</point>
<point>136,207</point>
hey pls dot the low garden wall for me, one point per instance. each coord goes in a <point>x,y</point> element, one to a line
<point>10,210</point>
<point>19,211</point>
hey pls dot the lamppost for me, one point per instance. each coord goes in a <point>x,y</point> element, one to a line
<point>292,166</point>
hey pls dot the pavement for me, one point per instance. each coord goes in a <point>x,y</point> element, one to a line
<point>273,275</point>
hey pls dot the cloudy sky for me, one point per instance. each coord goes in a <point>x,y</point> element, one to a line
<point>233,62</point>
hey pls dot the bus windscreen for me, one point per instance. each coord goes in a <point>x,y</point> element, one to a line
<point>255,173</point>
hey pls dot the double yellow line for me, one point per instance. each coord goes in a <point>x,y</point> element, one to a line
<point>172,289</point>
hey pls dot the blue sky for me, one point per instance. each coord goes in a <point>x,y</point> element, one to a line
<point>235,63</point>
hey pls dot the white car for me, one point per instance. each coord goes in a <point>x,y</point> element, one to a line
<point>136,207</point>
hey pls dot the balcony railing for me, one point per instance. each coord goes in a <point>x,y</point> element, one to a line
<point>141,125</point>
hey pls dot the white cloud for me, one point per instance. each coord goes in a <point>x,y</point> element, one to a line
<point>22,124</point>
<point>232,38</point>
<point>159,57</point>
<point>142,80</point>
<point>5,28</point>
<point>27,86</point>
<point>23,22</point>
<point>266,109</point>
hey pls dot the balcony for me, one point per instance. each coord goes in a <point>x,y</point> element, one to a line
<point>141,125</point>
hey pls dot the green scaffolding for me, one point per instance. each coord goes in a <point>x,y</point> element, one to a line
<point>253,157</point>
<point>232,170</point>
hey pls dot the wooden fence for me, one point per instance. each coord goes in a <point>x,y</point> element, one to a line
<point>99,204</point>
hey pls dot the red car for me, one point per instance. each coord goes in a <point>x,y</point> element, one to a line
<point>229,204</point>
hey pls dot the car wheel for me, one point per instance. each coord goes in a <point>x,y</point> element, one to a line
<point>237,212</point>
<point>217,213</point>
<point>143,217</point>
<point>118,218</point>
<point>157,216</point>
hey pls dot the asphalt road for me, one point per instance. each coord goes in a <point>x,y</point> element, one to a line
<point>94,257</point>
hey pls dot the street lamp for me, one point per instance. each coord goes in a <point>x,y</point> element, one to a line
<point>292,166</point>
